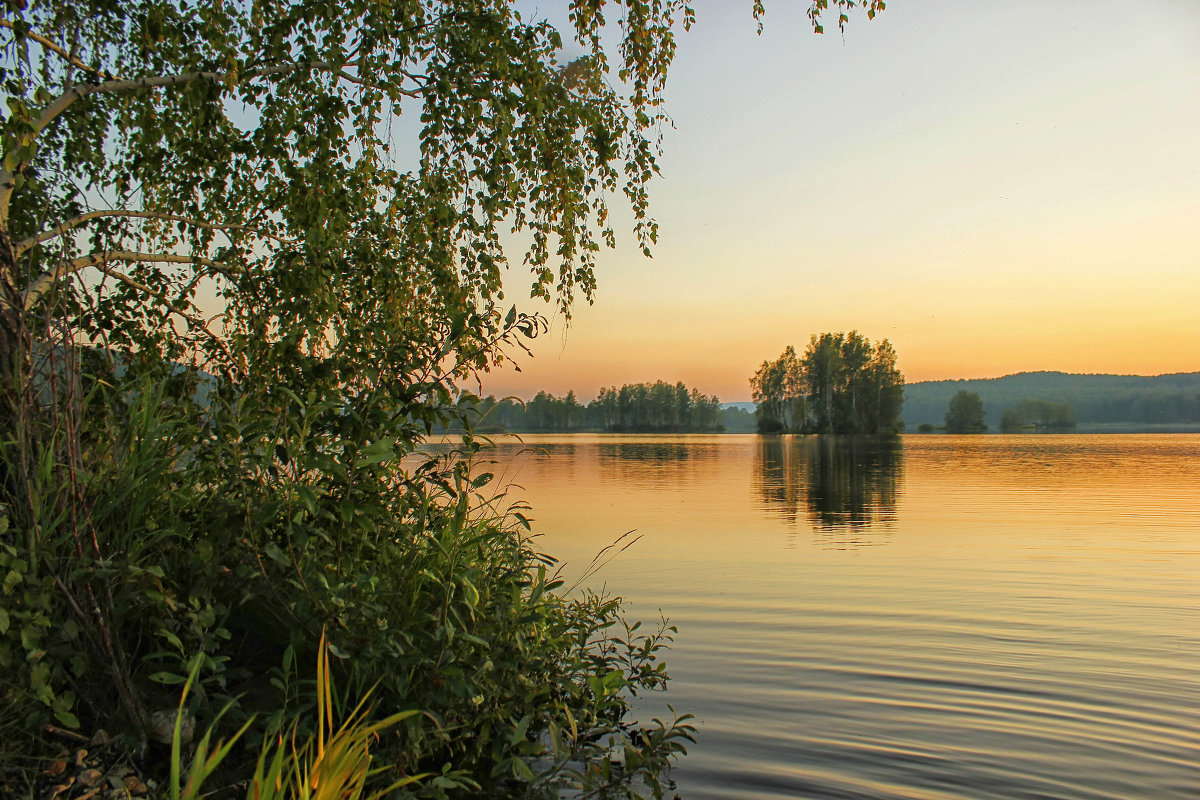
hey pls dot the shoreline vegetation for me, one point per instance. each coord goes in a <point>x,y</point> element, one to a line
<point>1027,402</point>
<point>658,407</point>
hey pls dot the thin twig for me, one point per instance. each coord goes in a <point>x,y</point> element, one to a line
<point>599,561</point>
<point>66,734</point>
<point>63,227</point>
<point>42,283</point>
<point>57,50</point>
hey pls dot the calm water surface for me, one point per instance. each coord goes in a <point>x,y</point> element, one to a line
<point>956,617</point>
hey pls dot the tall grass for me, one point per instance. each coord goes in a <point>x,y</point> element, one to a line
<point>164,544</point>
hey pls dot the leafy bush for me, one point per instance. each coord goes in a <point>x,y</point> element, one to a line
<point>234,534</point>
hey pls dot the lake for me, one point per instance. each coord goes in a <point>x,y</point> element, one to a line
<point>982,617</point>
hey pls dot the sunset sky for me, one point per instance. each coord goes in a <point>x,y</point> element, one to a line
<point>995,186</point>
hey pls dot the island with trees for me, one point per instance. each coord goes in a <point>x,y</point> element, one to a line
<point>842,384</point>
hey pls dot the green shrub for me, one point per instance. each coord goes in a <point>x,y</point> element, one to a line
<point>232,534</point>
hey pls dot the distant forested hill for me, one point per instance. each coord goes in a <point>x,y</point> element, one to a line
<point>1099,400</point>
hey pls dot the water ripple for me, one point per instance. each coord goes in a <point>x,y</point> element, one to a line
<point>1025,623</point>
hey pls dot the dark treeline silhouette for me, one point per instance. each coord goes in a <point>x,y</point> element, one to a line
<point>658,407</point>
<point>1163,406</point>
<point>1095,399</point>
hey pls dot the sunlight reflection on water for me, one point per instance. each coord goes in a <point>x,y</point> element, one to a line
<point>985,617</point>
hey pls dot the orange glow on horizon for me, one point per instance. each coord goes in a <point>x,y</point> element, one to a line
<point>991,196</point>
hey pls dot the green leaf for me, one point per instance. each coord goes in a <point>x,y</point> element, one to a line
<point>308,497</point>
<point>68,719</point>
<point>473,639</point>
<point>382,450</point>
<point>172,638</point>
<point>522,771</point>
<point>276,555</point>
<point>472,594</point>
<point>168,678</point>
<point>519,731</point>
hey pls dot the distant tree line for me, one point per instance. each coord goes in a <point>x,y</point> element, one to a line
<point>966,415</point>
<point>658,407</point>
<point>1041,416</point>
<point>1095,399</point>
<point>1162,406</point>
<point>842,384</point>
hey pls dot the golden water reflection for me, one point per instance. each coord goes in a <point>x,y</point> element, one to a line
<point>1031,629</point>
<point>843,485</point>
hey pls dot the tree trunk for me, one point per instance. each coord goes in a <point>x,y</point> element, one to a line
<point>15,367</point>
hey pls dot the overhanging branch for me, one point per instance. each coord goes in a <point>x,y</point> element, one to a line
<point>194,320</point>
<point>56,49</point>
<point>46,281</point>
<point>64,101</point>
<point>63,227</point>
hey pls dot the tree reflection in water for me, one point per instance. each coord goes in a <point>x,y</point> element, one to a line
<point>653,451</point>
<point>653,462</point>
<point>846,485</point>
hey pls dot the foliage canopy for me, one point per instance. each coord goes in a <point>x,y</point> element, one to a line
<point>1038,415</point>
<point>154,153</point>
<point>965,414</point>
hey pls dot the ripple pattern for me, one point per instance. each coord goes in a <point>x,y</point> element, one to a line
<point>984,617</point>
